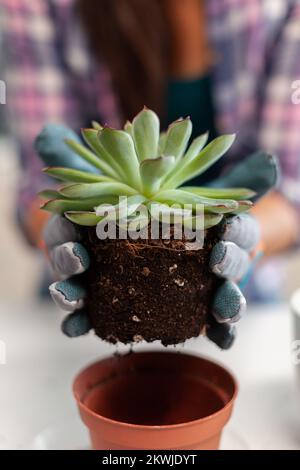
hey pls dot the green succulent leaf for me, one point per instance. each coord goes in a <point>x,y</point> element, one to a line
<point>128,128</point>
<point>210,155</point>
<point>161,143</point>
<point>88,219</point>
<point>210,220</point>
<point>220,193</point>
<point>120,146</point>
<point>91,158</point>
<point>91,137</point>
<point>60,206</point>
<point>75,176</point>
<point>147,168</point>
<point>244,206</point>
<point>183,197</point>
<point>221,208</point>
<point>177,138</point>
<point>146,134</point>
<point>152,172</point>
<point>165,213</point>
<point>195,148</point>
<point>97,126</point>
<point>93,190</point>
<point>125,208</point>
<point>49,194</point>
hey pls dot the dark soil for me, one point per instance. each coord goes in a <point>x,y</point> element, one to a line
<point>148,289</point>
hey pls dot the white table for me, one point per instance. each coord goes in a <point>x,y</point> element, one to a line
<point>35,383</point>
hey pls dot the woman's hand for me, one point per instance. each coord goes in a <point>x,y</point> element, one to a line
<point>230,260</point>
<point>68,258</point>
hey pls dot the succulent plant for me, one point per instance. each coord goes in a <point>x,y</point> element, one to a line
<point>147,167</point>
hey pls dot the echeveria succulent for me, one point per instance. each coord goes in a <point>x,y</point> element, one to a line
<point>147,167</point>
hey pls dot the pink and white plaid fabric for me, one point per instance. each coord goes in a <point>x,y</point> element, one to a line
<point>51,76</point>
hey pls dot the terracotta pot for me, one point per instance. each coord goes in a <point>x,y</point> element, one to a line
<point>155,400</point>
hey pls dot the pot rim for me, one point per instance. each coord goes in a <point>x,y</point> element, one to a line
<point>141,427</point>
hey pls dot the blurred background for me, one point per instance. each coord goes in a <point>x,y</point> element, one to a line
<point>21,265</point>
<point>55,71</point>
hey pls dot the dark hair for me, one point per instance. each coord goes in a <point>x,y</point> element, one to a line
<point>131,37</point>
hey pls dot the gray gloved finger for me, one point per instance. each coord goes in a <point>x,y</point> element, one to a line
<point>68,295</point>
<point>70,258</point>
<point>59,230</point>
<point>243,230</point>
<point>229,261</point>
<point>259,172</point>
<point>52,149</point>
<point>229,303</point>
<point>222,334</point>
<point>76,324</point>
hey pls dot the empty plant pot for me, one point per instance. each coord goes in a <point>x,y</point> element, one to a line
<point>155,400</point>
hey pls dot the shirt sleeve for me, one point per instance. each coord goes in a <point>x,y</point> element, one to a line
<point>280,118</point>
<point>37,86</point>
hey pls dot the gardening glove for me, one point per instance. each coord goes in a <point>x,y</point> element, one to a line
<point>230,260</point>
<point>232,257</point>
<point>53,151</point>
<point>68,257</point>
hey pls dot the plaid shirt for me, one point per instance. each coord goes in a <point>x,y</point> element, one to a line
<point>51,76</point>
